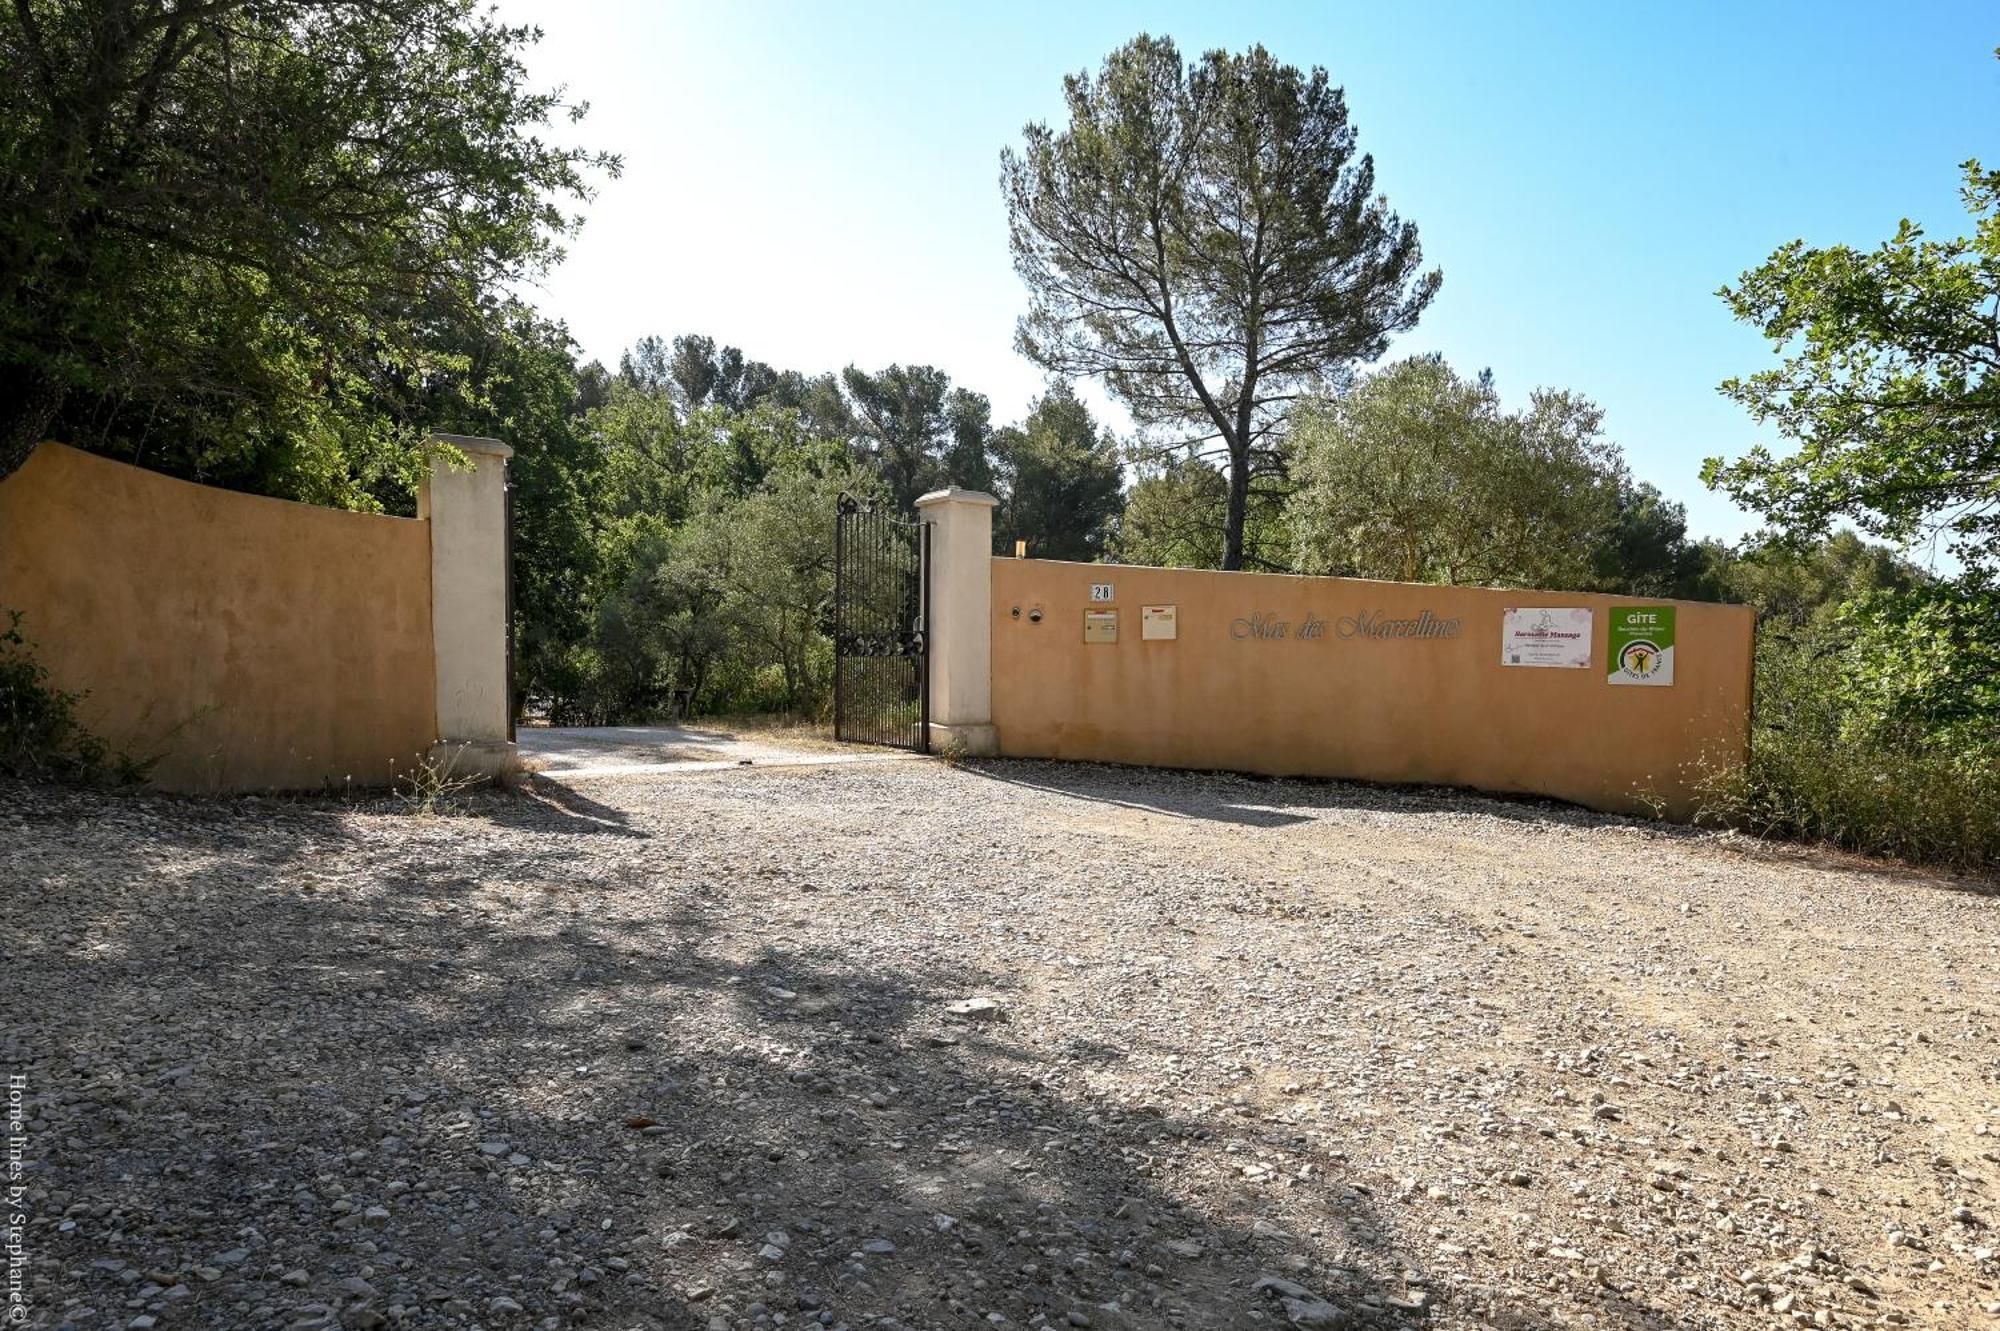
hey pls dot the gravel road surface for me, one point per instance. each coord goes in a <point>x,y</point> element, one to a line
<point>1000,1045</point>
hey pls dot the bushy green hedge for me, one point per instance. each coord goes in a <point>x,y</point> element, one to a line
<point>1877,732</point>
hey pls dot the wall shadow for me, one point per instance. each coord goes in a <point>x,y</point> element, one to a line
<point>1233,797</point>
<point>1080,781</point>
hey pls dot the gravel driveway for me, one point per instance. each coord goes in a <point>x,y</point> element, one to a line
<point>567,752</point>
<point>697,1052</point>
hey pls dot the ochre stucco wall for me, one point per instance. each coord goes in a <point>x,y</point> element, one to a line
<point>257,644</point>
<point>1397,710</point>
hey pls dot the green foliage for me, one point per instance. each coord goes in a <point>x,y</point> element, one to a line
<point>40,736</point>
<point>968,458</point>
<point>1064,483</point>
<point>1878,721</point>
<point>230,232</point>
<point>1417,475</point>
<point>1877,724</point>
<point>770,558</point>
<point>1889,386</point>
<point>1204,238</point>
<point>725,612</point>
<point>1646,551</point>
<point>708,482</point>
<point>917,432</point>
<point>1922,667</point>
<point>518,382</point>
<point>1795,588</point>
<point>1822,771</point>
<point>1173,515</point>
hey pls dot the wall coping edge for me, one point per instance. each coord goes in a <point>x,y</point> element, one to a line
<point>474,443</point>
<point>953,495</point>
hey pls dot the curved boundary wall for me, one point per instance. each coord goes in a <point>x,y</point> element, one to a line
<point>1379,681</point>
<point>247,643</point>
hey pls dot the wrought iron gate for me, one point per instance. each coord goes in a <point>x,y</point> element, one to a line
<point>881,604</point>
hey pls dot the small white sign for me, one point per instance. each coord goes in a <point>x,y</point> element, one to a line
<point>1101,591</point>
<point>1557,636</point>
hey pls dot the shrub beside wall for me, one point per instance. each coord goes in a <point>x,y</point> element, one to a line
<point>40,737</point>
<point>1825,767</point>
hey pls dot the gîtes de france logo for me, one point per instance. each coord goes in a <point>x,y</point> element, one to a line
<point>1641,659</point>
<point>1368,624</point>
<point>1642,644</point>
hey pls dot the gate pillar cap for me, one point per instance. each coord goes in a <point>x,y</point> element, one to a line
<point>954,495</point>
<point>473,443</point>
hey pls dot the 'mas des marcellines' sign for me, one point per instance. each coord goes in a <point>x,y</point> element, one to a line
<point>1557,636</point>
<point>1375,624</point>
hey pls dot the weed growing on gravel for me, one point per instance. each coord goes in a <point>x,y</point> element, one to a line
<point>432,787</point>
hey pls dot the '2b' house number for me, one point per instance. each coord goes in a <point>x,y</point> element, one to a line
<point>1100,591</point>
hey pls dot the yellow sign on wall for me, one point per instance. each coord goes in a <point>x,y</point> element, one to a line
<point>1100,626</point>
<point>1159,623</point>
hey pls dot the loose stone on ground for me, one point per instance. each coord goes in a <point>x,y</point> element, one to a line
<point>907,1045</point>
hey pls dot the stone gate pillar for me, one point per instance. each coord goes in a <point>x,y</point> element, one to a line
<point>467,512</point>
<point>959,635</point>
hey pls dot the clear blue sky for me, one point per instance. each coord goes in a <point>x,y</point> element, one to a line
<point>817,183</point>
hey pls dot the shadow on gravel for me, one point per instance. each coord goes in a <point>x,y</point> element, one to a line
<point>1084,781</point>
<point>1237,797</point>
<point>551,806</point>
<point>613,1112</point>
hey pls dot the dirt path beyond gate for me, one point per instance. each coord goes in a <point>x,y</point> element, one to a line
<point>1004,1045</point>
<point>563,753</point>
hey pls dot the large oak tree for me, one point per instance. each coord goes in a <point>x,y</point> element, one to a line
<point>1204,238</point>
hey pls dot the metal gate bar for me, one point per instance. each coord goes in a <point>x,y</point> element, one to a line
<point>881,606</point>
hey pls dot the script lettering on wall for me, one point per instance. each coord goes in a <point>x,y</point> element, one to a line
<point>1271,628</point>
<point>1377,624</point>
<point>1264,626</point>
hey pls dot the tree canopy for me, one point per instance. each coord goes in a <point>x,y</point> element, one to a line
<point>918,431</point>
<point>1062,478</point>
<point>230,231</point>
<point>1889,384</point>
<point>1203,238</point>
<point>1418,475</point>
<point>1173,514</point>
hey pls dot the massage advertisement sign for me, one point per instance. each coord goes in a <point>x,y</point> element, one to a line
<point>1557,636</point>
<point>1642,644</point>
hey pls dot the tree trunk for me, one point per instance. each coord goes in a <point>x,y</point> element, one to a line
<point>29,400</point>
<point>1239,505</point>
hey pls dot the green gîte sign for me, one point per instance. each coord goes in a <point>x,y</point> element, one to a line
<point>1642,644</point>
